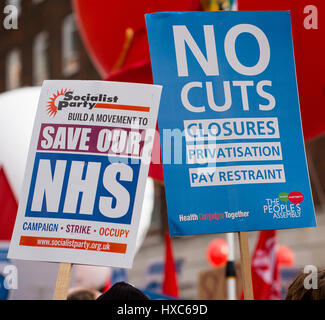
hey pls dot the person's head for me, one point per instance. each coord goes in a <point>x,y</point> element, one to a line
<point>123,291</point>
<point>82,294</point>
<point>298,291</point>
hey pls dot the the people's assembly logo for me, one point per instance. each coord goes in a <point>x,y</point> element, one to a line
<point>286,205</point>
<point>65,98</point>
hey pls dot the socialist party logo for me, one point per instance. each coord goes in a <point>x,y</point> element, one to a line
<point>65,98</point>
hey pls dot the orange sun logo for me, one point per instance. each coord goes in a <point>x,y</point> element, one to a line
<point>52,109</point>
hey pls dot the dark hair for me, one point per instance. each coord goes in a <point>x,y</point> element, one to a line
<point>297,290</point>
<point>83,294</point>
<point>123,291</point>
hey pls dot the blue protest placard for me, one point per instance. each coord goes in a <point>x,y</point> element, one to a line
<point>230,128</point>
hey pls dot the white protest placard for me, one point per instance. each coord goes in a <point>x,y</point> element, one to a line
<point>86,173</point>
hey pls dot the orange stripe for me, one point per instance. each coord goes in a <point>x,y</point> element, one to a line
<point>72,244</point>
<point>121,107</point>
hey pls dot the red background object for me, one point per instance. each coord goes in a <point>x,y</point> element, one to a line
<point>169,285</point>
<point>309,47</point>
<point>8,208</point>
<point>217,252</point>
<point>103,24</point>
<point>265,267</point>
<point>285,256</point>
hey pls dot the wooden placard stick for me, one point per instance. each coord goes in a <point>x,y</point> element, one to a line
<point>63,281</point>
<point>245,266</point>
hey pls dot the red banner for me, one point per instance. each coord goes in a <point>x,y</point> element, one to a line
<point>8,207</point>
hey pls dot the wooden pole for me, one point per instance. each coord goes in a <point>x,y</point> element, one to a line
<point>231,268</point>
<point>63,281</point>
<point>245,266</point>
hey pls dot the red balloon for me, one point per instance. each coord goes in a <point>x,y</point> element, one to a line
<point>308,32</point>
<point>285,256</point>
<point>217,252</point>
<point>116,39</point>
<point>109,28</point>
